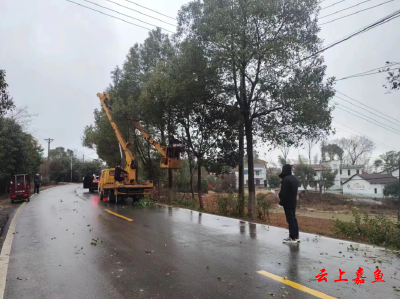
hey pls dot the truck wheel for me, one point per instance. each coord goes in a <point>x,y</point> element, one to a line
<point>91,190</point>
<point>28,199</point>
<point>101,195</point>
<point>111,196</point>
<point>12,200</point>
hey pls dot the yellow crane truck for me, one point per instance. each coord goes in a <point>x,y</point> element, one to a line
<point>108,188</point>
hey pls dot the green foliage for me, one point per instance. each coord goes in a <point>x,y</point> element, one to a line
<point>390,159</point>
<point>393,78</point>
<point>378,230</point>
<point>45,181</point>
<point>145,202</point>
<point>187,203</point>
<point>263,206</point>
<point>228,205</point>
<point>6,102</point>
<point>305,173</point>
<point>274,181</point>
<point>333,151</point>
<point>19,152</point>
<point>391,189</point>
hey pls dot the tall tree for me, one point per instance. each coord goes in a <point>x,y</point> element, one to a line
<point>6,101</point>
<point>355,148</point>
<point>305,173</point>
<point>258,45</point>
<point>285,149</point>
<point>377,164</point>
<point>390,159</point>
<point>310,142</point>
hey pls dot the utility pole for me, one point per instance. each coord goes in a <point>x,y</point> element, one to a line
<point>48,156</point>
<point>71,168</point>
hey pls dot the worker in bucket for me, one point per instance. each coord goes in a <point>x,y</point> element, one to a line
<point>288,199</point>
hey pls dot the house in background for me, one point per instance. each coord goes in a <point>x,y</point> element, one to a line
<point>344,172</point>
<point>260,173</point>
<point>367,184</point>
<point>394,172</point>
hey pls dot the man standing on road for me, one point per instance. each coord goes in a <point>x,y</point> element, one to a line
<point>117,173</point>
<point>288,199</point>
<point>37,182</point>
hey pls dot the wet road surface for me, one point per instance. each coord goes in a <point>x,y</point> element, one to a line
<point>174,253</point>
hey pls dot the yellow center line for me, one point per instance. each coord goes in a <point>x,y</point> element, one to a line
<point>296,285</point>
<point>82,198</point>
<point>118,215</point>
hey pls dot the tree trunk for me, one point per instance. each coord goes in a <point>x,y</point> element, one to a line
<point>199,184</point>
<point>191,177</point>
<point>250,168</point>
<point>241,169</point>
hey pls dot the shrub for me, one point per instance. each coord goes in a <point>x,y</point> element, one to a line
<point>45,181</point>
<point>274,181</point>
<point>145,202</point>
<point>379,230</point>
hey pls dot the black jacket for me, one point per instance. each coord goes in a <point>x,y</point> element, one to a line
<point>289,187</point>
<point>118,171</point>
<point>37,181</point>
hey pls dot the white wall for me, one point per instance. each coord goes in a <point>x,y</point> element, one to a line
<point>360,187</point>
<point>262,175</point>
<point>395,173</point>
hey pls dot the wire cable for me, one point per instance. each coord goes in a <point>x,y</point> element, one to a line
<point>150,9</point>
<point>367,111</point>
<point>385,19</point>
<point>369,72</point>
<point>362,75</point>
<point>342,10</point>
<point>355,13</point>
<point>365,135</point>
<point>379,144</point>
<point>368,120</point>
<point>367,106</point>
<point>108,15</point>
<point>142,13</point>
<point>126,15</point>
<point>332,5</point>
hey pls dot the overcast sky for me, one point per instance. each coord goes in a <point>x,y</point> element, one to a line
<point>58,55</point>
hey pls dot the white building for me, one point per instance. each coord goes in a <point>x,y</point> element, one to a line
<point>260,173</point>
<point>344,172</point>
<point>365,184</point>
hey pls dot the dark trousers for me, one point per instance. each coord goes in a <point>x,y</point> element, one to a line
<point>119,179</point>
<point>36,189</point>
<point>292,221</point>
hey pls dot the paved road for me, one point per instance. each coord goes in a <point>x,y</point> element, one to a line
<point>173,253</point>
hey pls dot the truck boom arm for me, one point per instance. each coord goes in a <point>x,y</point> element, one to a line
<point>131,162</point>
<point>146,135</point>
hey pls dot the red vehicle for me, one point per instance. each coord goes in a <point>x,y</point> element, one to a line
<point>20,187</point>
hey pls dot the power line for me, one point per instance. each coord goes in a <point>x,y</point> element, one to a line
<point>385,19</point>
<point>368,120</point>
<point>140,12</point>
<point>362,75</point>
<point>108,15</point>
<point>385,147</point>
<point>382,144</point>
<point>332,5</point>
<point>342,10</point>
<point>366,106</point>
<point>151,10</point>
<point>367,111</point>
<point>368,72</point>
<point>397,131</point>
<point>355,13</point>
<point>126,15</point>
